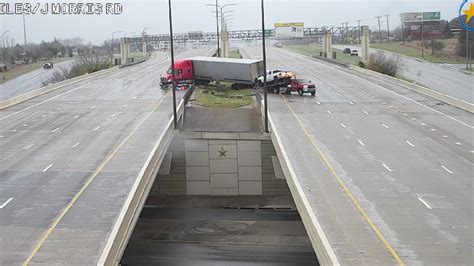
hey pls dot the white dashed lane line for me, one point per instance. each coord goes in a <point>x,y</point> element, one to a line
<point>365,112</point>
<point>385,126</point>
<point>29,146</point>
<point>386,167</point>
<point>75,145</point>
<point>425,203</point>
<point>97,128</point>
<point>344,126</point>
<point>54,130</point>
<point>409,143</point>
<point>47,167</point>
<point>329,112</point>
<point>6,203</point>
<point>361,143</point>
<point>446,169</point>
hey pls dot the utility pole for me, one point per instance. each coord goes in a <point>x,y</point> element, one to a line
<point>358,24</point>
<point>403,28</point>
<point>422,41</point>
<point>380,30</point>
<point>467,49</point>
<point>173,80</point>
<point>264,51</point>
<point>388,29</point>
<point>217,22</point>
<point>24,29</point>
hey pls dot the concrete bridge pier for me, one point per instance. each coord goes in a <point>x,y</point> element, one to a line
<point>124,50</point>
<point>365,44</point>
<point>327,45</point>
<point>144,49</point>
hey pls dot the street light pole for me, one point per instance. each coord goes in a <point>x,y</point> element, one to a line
<point>264,67</point>
<point>217,23</point>
<point>173,81</point>
<point>24,29</point>
<point>467,49</point>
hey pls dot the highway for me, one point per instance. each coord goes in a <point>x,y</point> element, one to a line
<point>447,80</point>
<point>387,172</point>
<point>69,158</point>
<point>30,81</point>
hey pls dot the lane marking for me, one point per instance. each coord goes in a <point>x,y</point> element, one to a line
<point>93,106</point>
<point>433,129</point>
<point>344,126</point>
<point>318,102</point>
<point>409,143</point>
<point>2,136</point>
<point>76,117</point>
<point>113,115</point>
<point>361,143</point>
<point>88,182</point>
<point>423,124</point>
<point>329,112</point>
<point>459,143</point>
<point>25,125</point>
<point>29,146</point>
<point>47,168</point>
<point>445,136</point>
<point>45,101</point>
<point>386,167</point>
<point>385,126</point>
<point>135,97</point>
<point>6,203</point>
<point>446,169</point>
<point>365,112</point>
<point>413,118</point>
<point>125,106</point>
<point>425,203</point>
<point>97,128</point>
<point>351,103</point>
<point>75,145</point>
<point>54,130</point>
<point>346,189</point>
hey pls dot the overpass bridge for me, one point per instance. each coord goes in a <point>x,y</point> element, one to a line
<point>380,175</point>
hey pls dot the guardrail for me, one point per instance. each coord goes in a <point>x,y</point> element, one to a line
<point>319,241</point>
<point>463,105</point>
<point>38,92</point>
<point>128,217</point>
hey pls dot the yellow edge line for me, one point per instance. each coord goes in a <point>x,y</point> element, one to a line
<point>346,189</point>
<point>86,185</point>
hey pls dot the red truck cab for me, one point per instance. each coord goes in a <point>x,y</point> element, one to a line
<point>301,86</point>
<point>184,73</point>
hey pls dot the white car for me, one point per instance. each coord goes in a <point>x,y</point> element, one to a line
<point>354,53</point>
<point>274,76</point>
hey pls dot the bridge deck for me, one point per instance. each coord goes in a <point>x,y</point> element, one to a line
<point>388,178</point>
<point>63,151</point>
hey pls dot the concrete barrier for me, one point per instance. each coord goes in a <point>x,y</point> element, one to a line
<point>463,105</point>
<point>38,92</point>
<point>319,241</point>
<point>128,217</point>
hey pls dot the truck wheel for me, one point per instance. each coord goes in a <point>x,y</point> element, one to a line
<point>313,93</point>
<point>300,92</point>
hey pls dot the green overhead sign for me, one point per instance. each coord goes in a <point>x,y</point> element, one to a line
<point>431,16</point>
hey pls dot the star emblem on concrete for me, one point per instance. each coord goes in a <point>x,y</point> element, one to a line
<point>469,13</point>
<point>222,152</point>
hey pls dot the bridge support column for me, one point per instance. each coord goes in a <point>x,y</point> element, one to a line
<point>365,44</point>
<point>144,49</point>
<point>225,44</point>
<point>327,45</point>
<point>124,50</point>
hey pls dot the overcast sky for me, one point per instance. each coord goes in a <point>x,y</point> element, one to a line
<point>194,15</point>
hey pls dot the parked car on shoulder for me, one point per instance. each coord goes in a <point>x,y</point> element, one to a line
<point>47,65</point>
<point>346,51</point>
<point>354,53</point>
<point>301,86</point>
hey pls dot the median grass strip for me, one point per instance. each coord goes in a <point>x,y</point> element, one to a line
<point>234,53</point>
<point>211,96</point>
<point>314,50</point>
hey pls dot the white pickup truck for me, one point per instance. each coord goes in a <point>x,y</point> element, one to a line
<point>277,77</point>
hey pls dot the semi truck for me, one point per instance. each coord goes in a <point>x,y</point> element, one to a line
<point>203,70</point>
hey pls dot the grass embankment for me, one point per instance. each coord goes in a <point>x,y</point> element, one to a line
<point>222,97</point>
<point>413,49</point>
<point>234,53</point>
<point>23,69</point>
<point>312,50</point>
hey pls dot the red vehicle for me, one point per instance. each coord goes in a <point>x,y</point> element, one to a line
<point>301,86</point>
<point>184,73</point>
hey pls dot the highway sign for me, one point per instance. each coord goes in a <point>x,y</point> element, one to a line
<point>431,16</point>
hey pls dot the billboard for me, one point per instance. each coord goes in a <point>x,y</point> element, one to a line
<point>421,17</point>
<point>289,30</point>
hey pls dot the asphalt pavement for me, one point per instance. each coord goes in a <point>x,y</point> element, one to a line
<point>30,81</point>
<point>387,171</point>
<point>439,77</point>
<point>51,146</point>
